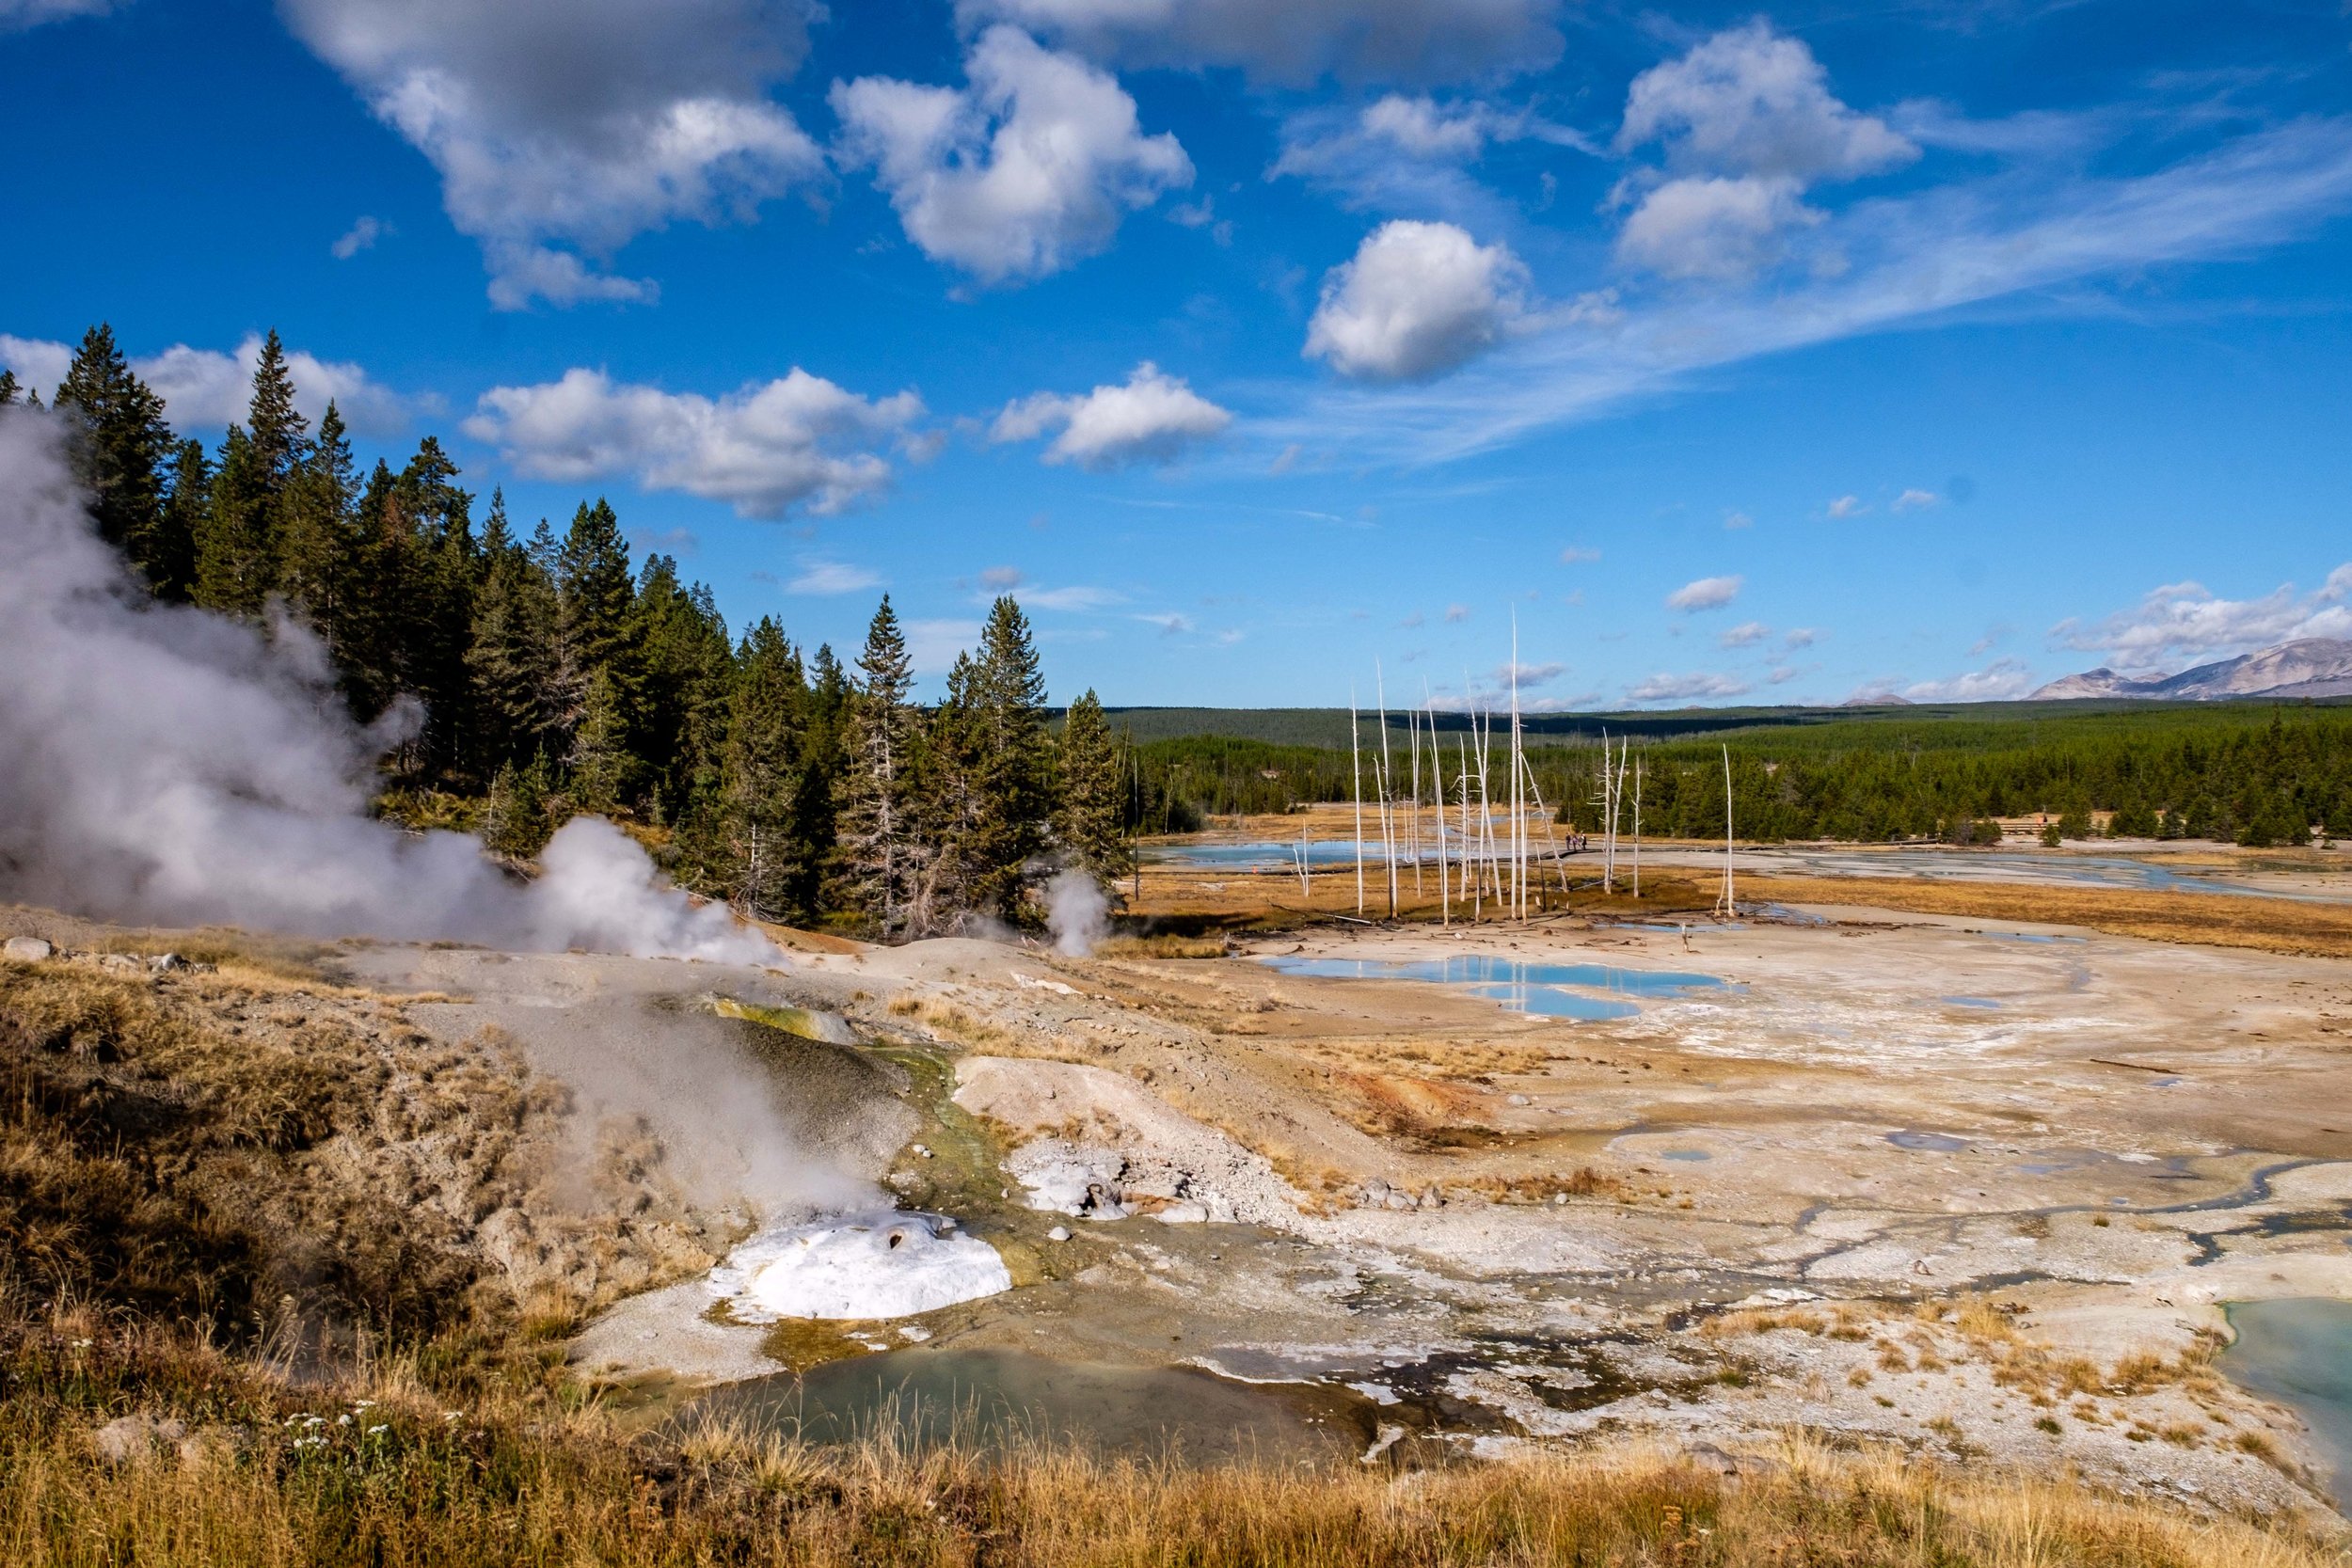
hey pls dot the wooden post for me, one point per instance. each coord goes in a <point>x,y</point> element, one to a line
<point>1637,826</point>
<point>1356,789</point>
<point>1388,787</point>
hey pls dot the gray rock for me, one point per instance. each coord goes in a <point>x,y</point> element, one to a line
<point>1184,1213</point>
<point>29,950</point>
<point>163,963</point>
<point>1059,1233</point>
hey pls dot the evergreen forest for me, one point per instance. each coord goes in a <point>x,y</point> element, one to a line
<point>518,677</point>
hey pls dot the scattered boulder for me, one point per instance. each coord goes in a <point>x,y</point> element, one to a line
<point>28,950</point>
<point>1059,1233</point>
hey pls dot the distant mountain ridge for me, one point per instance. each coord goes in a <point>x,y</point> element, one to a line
<point>2306,667</point>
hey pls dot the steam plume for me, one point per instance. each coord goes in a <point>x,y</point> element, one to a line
<point>1075,912</point>
<point>167,765</point>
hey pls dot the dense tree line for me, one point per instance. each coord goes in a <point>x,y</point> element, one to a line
<point>2255,775</point>
<point>520,678</point>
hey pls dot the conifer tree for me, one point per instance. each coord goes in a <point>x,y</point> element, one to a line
<point>232,548</point>
<point>774,861</point>
<point>947,806</point>
<point>436,609</point>
<point>319,545</point>
<point>1092,799</point>
<point>512,652</point>
<point>593,574</point>
<point>8,387</point>
<point>279,433</point>
<point>237,554</point>
<point>881,863</point>
<point>122,446</point>
<point>171,561</point>
<point>1015,780</point>
<point>599,759</point>
<point>681,642</point>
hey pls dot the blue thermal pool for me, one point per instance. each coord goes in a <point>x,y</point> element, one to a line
<point>1587,992</point>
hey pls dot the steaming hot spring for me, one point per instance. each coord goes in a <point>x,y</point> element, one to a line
<point>882,1264</point>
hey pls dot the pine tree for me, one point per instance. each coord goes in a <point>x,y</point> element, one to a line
<point>122,446</point>
<point>1087,821</point>
<point>8,387</point>
<point>232,548</point>
<point>946,806</point>
<point>437,607</point>
<point>319,545</point>
<point>592,574</point>
<point>880,861</point>
<point>681,642</point>
<point>236,557</point>
<point>512,652</point>
<point>774,861</point>
<point>599,759</point>
<point>1014,783</point>
<point>172,563</point>
<point>279,433</point>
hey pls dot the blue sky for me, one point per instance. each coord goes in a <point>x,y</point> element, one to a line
<point>1745,354</point>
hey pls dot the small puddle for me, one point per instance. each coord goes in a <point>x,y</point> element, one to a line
<point>1545,990</point>
<point>1984,1002</point>
<point>2298,1352</point>
<point>1684,1154</point>
<point>1927,1143</point>
<point>1002,1399</point>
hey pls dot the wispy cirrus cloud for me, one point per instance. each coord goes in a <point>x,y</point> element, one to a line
<point>821,576</point>
<point>2039,220</point>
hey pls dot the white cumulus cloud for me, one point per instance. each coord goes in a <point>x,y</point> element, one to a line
<point>1708,226</point>
<point>1916,500</point>
<point>1746,121</point>
<point>1020,174</point>
<point>1296,42</point>
<point>1745,633</point>
<point>1150,419</point>
<point>560,130</point>
<point>1751,101</point>
<point>1705,594</point>
<point>1998,682</point>
<point>1846,506</point>
<point>1686,689</point>
<point>2185,618</point>
<point>206,390</point>
<point>765,448</point>
<point>1418,299</point>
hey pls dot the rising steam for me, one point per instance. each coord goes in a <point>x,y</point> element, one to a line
<point>167,765</point>
<point>1076,914</point>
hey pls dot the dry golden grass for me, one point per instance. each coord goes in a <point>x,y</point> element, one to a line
<point>2207,919</point>
<point>1162,947</point>
<point>400,1484</point>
